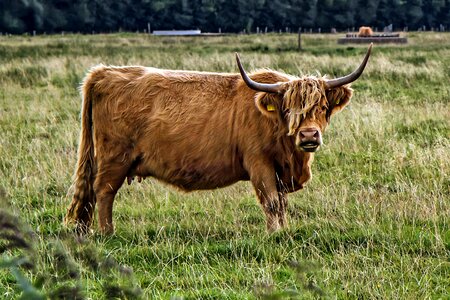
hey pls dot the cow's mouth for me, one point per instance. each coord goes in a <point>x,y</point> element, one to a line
<point>309,146</point>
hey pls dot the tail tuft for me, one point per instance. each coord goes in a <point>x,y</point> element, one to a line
<point>82,206</point>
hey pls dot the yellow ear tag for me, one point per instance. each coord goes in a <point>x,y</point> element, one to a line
<point>270,107</point>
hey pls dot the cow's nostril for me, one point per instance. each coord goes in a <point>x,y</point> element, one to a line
<point>309,134</point>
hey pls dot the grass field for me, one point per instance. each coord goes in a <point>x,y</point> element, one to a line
<point>374,222</point>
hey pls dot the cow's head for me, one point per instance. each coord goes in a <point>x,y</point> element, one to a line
<point>304,104</point>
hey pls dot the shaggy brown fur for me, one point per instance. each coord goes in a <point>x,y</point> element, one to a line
<point>365,31</point>
<point>195,131</point>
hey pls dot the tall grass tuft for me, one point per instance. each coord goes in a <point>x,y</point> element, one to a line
<point>57,271</point>
<point>27,76</point>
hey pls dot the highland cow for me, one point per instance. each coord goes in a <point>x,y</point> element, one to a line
<point>198,130</point>
<point>365,31</point>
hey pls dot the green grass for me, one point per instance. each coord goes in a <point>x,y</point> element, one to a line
<point>374,222</point>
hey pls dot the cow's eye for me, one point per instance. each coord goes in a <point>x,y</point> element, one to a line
<point>324,108</point>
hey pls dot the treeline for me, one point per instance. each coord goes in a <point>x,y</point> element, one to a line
<point>20,16</point>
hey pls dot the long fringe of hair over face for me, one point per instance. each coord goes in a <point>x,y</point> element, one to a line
<point>302,97</point>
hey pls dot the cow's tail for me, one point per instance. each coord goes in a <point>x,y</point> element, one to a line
<point>82,207</point>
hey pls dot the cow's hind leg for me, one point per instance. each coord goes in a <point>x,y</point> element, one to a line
<point>109,179</point>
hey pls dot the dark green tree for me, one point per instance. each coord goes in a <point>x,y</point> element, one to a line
<point>366,12</point>
<point>443,17</point>
<point>21,16</point>
<point>205,15</point>
<point>275,14</point>
<point>310,14</point>
<point>414,13</point>
<point>431,11</point>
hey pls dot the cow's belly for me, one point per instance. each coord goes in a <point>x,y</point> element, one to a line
<point>189,175</point>
<point>200,179</point>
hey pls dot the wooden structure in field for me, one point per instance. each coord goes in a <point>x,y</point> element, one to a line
<point>381,38</point>
<point>177,32</point>
<point>195,32</point>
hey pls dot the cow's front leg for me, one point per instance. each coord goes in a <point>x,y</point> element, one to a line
<point>282,209</point>
<point>263,178</point>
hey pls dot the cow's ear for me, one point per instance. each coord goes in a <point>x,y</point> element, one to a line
<point>269,104</point>
<point>338,98</point>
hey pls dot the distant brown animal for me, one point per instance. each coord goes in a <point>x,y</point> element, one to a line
<point>197,130</point>
<point>365,31</point>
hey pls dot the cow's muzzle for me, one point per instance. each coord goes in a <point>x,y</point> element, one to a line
<point>309,139</point>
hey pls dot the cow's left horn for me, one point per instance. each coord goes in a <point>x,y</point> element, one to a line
<point>262,87</point>
<point>332,83</point>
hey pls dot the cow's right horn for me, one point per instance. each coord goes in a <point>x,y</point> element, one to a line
<point>262,87</point>
<point>332,83</point>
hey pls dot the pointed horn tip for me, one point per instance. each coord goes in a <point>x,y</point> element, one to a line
<point>261,87</point>
<point>352,76</point>
<point>238,61</point>
<point>369,50</point>
<point>368,54</point>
